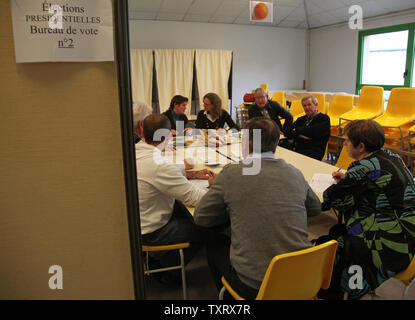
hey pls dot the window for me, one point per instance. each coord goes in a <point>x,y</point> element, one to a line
<point>386,57</point>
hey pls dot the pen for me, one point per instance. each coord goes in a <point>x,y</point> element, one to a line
<point>340,168</point>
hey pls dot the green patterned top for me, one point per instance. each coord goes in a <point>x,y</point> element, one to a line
<point>377,197</point>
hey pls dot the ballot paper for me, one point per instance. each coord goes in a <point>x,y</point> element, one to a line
<point>320,182</point>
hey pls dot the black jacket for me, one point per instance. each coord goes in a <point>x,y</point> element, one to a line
<point>182,117</point>
<point>319,132</point>
<point>275,111</point>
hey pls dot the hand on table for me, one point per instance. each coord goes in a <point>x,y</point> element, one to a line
<point>212,178</point>
<point>203,174</point>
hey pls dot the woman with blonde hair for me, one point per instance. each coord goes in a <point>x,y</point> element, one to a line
<point>213,116</point>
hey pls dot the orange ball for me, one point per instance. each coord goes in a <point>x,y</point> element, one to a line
<point>260,11</point>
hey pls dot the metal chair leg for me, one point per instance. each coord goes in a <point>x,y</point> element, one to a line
<point>222,292</point>
<point>183,274</point>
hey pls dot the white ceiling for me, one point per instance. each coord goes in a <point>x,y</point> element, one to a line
<point>287,13</point>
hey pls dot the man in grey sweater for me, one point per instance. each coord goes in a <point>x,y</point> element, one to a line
<point>267,213</point>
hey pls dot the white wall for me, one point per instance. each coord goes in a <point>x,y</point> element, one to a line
<point>276,56</point>
<point>333,52</point>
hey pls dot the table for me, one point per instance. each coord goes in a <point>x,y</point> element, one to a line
<point>230,153</point>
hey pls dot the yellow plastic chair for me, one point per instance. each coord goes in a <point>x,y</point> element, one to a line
<point>341,104</point>
<point>177,246</point>
<point>369,105</point>
<point>279,96</point>
<point>407,277</point>
<point>295,276</point>
<point>265,86</point>
<point>399,112</point>
<point>323,106</point>
<point>344,159</point>
<point>297,109</point>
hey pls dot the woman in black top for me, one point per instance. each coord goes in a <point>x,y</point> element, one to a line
<point>176,114</point>
<point>213,117</point>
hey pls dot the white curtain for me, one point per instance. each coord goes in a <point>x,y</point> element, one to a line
<point>213,68</point>
<point>174,70</point>
<point>142,75</point>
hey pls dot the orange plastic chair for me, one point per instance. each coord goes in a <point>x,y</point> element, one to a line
<point>178,246</point>
<point>369,105</point>
<point>341,104</point>
<point>297,275</point>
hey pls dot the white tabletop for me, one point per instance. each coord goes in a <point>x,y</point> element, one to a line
<point>229,153</point>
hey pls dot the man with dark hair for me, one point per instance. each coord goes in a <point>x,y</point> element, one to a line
<point>270,109</point>
<point>271,222</point>
<point>311,132</point>
<point>162,192</point>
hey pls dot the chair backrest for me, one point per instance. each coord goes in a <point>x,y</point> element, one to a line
<point>321,98</point>
<point>408,273</point>
<point>299,275</point>
<point>344,159</point>
<point>371,99</point>
<point>340,104</point>
<point>401,102</point>
<point>279,96</point>
<point>264,86</point>
<point>296,107</point>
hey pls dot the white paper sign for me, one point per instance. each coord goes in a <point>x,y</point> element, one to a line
<point>61,30</point>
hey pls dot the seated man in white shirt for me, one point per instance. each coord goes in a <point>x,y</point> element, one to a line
<point>164,192</point>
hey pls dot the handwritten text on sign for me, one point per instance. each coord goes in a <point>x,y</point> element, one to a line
<point>80,30</point>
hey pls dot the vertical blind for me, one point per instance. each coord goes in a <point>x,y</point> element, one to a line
<point>142,75</point>
<point>212,69</point>
<point>174,73</point>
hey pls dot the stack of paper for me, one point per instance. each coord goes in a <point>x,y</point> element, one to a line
<point>320,182</point>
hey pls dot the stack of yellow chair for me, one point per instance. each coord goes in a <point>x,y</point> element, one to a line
<point>369,105</point>
<point>399,117</point>
<point>279,96</point>
<point>323,105</point>
<point>296,109</point>
<point>341,104</point>
<point>265,86</point>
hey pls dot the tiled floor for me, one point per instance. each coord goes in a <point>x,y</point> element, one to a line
<point>200,285</point>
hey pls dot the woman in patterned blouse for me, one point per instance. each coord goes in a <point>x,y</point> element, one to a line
<point>377,199</point>
<point>213,117</point>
